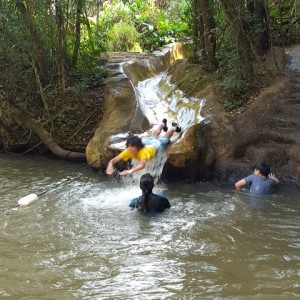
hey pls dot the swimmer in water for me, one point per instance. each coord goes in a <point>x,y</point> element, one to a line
<point>148,201</point>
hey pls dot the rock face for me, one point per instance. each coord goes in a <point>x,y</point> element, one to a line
<point>122,112</point>
<point>269,130</point>
<point>218,146</point>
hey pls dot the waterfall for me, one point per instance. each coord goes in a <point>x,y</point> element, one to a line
<point>158,98</point>
<point>154,167</point>
<point>137,98</point>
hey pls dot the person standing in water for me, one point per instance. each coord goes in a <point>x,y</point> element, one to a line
<point>260,182</point>
<point>144,151</point>
<point>148,201</point>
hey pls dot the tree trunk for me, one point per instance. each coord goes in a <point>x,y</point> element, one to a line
<point>61,47</point>
<point>244,44</point>
<point>208,36</point>
<point>37,55</point>
<point>97,20</point>
<point>23,119</point>
<point>43,96</point>
<point>258,11</point>
<point>197,31</point>
<point>79,10</point>
<point>264,39</point>
<point>279,71</point>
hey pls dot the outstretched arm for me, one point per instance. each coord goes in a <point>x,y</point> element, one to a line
<point>140,166</point>
<point>110,167</point>
<point>241,183</point>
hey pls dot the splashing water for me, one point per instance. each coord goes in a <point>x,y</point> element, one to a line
<point>154,167</point>
<point>116,198</point>
<point>158,98</point>
<point>82,241</point>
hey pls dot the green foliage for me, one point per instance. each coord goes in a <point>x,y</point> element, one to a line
<point>235,92</point>
<point>111,14</point>
<point>159,27</point>
<point>127,25</point>
<point>285,22</point>
<point>123,37</point>
<point>87,63</point>
<point>233,76</point>
<point>155,26</point>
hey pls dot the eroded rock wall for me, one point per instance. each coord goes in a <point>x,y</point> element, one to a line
<point>122,114</point>
<point>222,146</point>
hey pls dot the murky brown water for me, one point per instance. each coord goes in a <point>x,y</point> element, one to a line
<point>80,240</point>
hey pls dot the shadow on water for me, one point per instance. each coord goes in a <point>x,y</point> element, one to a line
<point>82,241</point>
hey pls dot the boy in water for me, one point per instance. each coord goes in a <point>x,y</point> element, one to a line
<point>143,151</point>
<point>261,182</point>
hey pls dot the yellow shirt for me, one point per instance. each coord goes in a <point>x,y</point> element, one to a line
<point>146,152</point>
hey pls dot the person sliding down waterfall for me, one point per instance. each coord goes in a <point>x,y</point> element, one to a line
<point>144,151</point>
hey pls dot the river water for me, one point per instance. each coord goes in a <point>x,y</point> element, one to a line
<point>80,240</point>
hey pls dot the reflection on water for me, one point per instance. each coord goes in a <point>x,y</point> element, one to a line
<point>80,240</point>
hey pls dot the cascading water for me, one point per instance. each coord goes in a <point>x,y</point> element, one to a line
<point>158,98</point>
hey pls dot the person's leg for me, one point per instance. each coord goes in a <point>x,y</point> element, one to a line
<point>169,133</point>
<point>158,130</point>
<point>162,126</point>
<point>174,128</point>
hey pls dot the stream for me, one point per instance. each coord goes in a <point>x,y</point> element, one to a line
<point>80,240</point>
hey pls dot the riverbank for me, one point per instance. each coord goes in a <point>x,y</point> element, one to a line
<point>227,145</point>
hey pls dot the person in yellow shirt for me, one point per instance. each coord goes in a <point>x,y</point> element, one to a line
<point>143,151</point>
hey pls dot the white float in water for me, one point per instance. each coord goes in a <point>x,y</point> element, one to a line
<point>27,199</point>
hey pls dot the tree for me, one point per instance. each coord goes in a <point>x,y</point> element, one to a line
<point>197,31</point>
<point>27,12</point>
<point>235,16</point>
<point>61,46</point>
<point>79,10</point>
<point>27,122</point>
<point>260,23</point>
<point>208,35</point>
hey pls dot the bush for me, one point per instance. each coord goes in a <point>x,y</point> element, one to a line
<point>235,92</point>
<point>123,37</point>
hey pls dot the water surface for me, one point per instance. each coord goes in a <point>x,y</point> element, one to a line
<point>80,240</point>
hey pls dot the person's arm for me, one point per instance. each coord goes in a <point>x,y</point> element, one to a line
<point>110,167</point>
<point>140,166</point>
<point>134,201</point>
<point>166,203</point>
<point>241,183</point>
<point>272,176</point>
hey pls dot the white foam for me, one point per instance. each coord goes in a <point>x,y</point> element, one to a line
<point>112,198</point>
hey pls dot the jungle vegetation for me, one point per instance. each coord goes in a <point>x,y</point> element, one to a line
<point>50,55</point>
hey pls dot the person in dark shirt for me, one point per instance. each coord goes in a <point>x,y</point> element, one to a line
<point>149,202</point>
<point>260,182</point>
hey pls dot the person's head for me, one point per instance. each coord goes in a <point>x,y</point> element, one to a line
<point>147,183</point>
<point>263,169</point>
<point>134,144</point>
